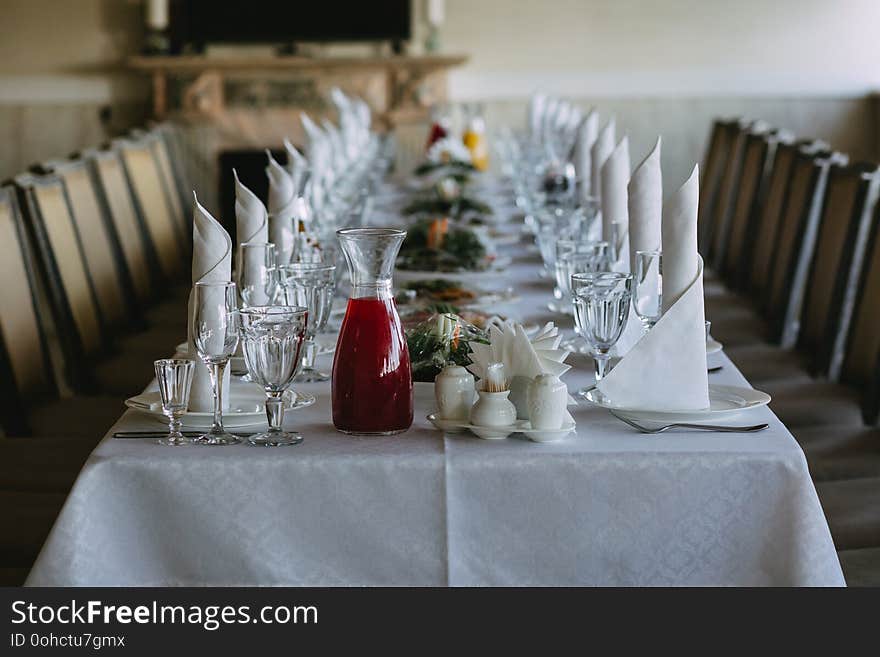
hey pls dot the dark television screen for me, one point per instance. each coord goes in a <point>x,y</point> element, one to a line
<point>290,21</point>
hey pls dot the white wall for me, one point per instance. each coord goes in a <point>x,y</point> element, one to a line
<point>663,47</point>
<point>669,67</point>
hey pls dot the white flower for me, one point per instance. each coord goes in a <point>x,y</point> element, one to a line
<point>448,150</point>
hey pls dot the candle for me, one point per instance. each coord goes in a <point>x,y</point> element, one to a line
<point>436,12</point>
<point>157,14</point>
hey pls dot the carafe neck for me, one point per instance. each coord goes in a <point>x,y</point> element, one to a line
<point>372,290</point>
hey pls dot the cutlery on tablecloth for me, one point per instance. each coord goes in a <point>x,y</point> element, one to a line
<point>130,435</point>
<point>684,425</point>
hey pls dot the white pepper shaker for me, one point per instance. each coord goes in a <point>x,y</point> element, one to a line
<point>454,392</point>
<point>548,398</point>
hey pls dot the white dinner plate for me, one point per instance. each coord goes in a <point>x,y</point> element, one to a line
<point>713,346</point>
<point>724,401</point>
<point>247,407</point>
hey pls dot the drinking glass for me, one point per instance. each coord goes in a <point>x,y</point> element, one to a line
<point>256,261</point>
<point>215,333</point>
<point>589,259</point>
<point>648,295</point>
<point>601,308</point>
<point>312,286</point>
<point>272,339</point>
<point>174,376</point>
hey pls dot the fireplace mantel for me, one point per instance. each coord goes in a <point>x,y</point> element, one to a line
<point>409,83</point>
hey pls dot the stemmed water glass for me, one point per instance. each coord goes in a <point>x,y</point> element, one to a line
<point>272,339</point>
<point>312,286</point>
<point>256,262</point>
<point>601,309</point>
<point>215,333</point>
<point>174,376</point>
<point>576,258</point>
<point>648,295</point>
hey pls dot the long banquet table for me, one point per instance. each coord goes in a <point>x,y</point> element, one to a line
<point>606,506</point>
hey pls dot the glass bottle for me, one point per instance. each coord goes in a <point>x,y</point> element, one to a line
<point>372,390</point>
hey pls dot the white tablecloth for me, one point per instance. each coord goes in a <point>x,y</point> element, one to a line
<point>607,506</point>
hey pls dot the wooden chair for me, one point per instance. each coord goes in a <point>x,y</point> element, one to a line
<point>719,222</point>
<point>796,238</point>
<point>758,154</point>
<point>767,228</point>
<point>73,300</point>
<point>153,203</point>
<point>855,357</point>
<point>30,400</point>
<point>720,140</point>
<point>101,244</point>
<point>138,251</point>
<point>835,272</point>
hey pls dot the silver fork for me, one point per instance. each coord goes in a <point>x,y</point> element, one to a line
<point>683,425</point>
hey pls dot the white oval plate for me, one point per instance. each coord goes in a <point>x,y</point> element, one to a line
<point>246,408</point>
<point>723,402</point>
<point>713,346</point>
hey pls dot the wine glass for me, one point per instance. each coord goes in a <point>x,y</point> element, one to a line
<point>256,261</point>
<point>575,258</point>
<point>312,286</point>
<point>174,376</point>
<point>215,333</point>
<point>601,309</point>
<point>272,339</point>
<point>648,295</point>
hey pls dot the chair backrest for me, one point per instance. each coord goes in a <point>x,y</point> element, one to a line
<point>758,154</point>
<point>176,154</point>
<point>25,363</point>
<point>72,295</point>
<point>153,204</point>
<point>770,215</point>
<point>856,356</point>
<point>837,261</point>
<point>719,224</point>
<point>100,242</point>
<point>169,184</point>
<point>720,139</point>
<point>137,250</point>
<point>794,244</point>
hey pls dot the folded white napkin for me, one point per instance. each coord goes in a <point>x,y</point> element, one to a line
<point>297,165</point>
<point>281,209</point>
<point>645,205</point>
<point>645,208</point>
<point>666,369</point>
<point>251,220</point>
<point>536,113</point>
<point>602,148</point>
<point>587,133</point>
<point>523,357</point>
<point>615,178</point>
<point>212,261</point>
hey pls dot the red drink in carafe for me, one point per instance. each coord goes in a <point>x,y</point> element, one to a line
<point>372,390</point>
<point>372,381</point>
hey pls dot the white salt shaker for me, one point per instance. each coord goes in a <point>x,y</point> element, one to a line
<point>548,398</point>
<point>454,393</point>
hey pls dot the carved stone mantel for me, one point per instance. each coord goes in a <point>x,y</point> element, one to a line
<point>398,88</point>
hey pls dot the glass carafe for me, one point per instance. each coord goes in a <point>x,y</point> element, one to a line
<point>372,391</point>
